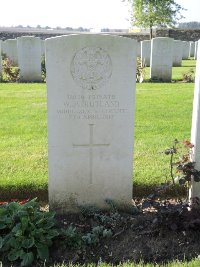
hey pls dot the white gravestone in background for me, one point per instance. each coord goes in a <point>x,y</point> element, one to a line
<point>29,58</point>
<point>195,132</point>
<point>138,49</point>
<point>177,53</point>
<point>161,58</point>
<point>195,50</point>
<point>0,60</point>
<point>2,47</point>
<point>192,47</point>
<point>10,49</point>
<point>146,52</point>
<point>43,47</point>
<point>90,90</point>
<point>186,49</point>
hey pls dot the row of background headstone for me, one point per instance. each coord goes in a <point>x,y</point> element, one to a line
<point>26,52</point>
<point>181,50</point>
<point>162,53</point>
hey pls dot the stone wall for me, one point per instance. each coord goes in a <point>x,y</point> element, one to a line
<point>179,34</point>
<point>12,33</point>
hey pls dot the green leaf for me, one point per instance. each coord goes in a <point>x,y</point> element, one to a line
<point>14,254</point>
<point>14,207</point>
<point>1,242</point>
<point>32,204</point>
<point>52,233</point>
<point>28,243</point>
<point>16,228</point>
<point>2,211</point>
<point>49,224</point>
<point>43,251</point>
<point>19,233</point>
<point>27,258</point>
<point>24,223</point>
<point>182,181</point>
<point>10,240</point>
<point>2,226</point>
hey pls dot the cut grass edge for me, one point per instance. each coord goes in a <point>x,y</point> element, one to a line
<point>21,192</point>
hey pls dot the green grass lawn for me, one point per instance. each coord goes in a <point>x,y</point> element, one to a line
<point>177,72</point>
<point>193,263</point>
<point>163,113</point>
<point>23,138</point>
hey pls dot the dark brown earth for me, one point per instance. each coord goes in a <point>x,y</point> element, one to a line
<point>156,231</point>
<point>152,230</point>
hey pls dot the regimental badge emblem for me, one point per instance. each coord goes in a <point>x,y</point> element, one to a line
<point>91,67</point>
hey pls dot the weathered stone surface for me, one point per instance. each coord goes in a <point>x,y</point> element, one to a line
<point>161,58</point>
<point>29,58</point>
<point>195,131</point>
<point>177,53</point>
<point>186,49</point>
<point>138,49</point>
<point>0,60</point>
<point>43,47</point>
<point>10,49</point>
<point>195,50</point>
<point>91,87</point>
<point>192,49</point>
<point>146,52</point>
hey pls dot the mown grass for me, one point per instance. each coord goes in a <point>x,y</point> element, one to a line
<point>163,113</point>
<point>193,263</point>
<point>23,138</point>
<point>177,72</point>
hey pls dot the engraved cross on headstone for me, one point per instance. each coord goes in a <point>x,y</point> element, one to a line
<point>90,145</point>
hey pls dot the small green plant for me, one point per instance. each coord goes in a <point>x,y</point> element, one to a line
<point>140,71</point>
<point>71,238</point>
<point>94,236</point>
<point>43,68</point>
<point>10,72</point>
<point>184,167</point>
<point>189,76</point>
<point>26,233</point>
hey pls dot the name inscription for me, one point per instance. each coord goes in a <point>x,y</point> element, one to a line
<point>91,107</point>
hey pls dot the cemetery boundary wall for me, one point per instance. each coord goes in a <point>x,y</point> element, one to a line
<point>177,34</point>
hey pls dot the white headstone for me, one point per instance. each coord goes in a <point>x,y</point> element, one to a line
<point>0,61</point>
<point>161,58</point>
<point>177,53</point>
<point>10,49</point>
<point>195,132</point>
<point>186,49</point>
<point>42,47</point>
<point>3,47</point>
<point>195,50</point>
<point>138,49</point>
<point>146,52</point>
<point>90,90</point>
<point>192,48</point>
<point>29,58</point>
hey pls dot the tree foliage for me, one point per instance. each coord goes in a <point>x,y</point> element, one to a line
<point>151,13</point>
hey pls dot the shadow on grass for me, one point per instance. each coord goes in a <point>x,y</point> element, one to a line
<point>10,193</point>
<point>143,190</point>
<point>31,191</point>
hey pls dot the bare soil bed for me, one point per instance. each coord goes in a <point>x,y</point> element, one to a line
<point>152,230</point>
<point>156,232</point>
